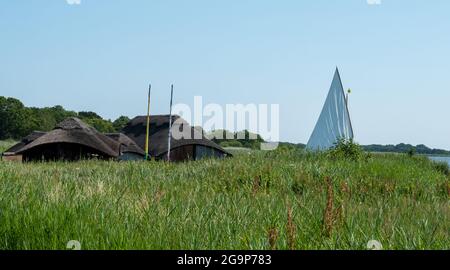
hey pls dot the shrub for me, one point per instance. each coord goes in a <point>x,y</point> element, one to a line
<point>346,149</point>
<point>411,152</point>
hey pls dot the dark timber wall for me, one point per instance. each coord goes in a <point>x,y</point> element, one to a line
<point>62,151</point>
<point>192,152</point>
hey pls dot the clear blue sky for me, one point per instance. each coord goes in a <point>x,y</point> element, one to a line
<point>101,54</point>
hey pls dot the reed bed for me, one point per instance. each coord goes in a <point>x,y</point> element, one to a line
<point>263,200</point>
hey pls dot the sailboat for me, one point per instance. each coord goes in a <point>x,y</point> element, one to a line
<point>334,121</point>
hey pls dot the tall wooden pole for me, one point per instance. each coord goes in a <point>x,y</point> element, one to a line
<point>170,124</point>
<point>147,135</point>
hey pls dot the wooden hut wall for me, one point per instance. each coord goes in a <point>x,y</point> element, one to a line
<point>62,151</point>
<point>192,152</point>
<point>15,158</point>
<point>182,153</point>
<point>202,152</point>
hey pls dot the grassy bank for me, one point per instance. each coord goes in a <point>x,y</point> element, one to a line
<point>282,200</point>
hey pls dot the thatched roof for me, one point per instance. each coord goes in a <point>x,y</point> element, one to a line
<point>25,141</point>
<point>159,130</point>
<point>74,131</point>
<point>127,145</point>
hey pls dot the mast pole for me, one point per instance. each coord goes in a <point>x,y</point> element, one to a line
<point>349,91</point>
<point>347,95</point>
<point>147,134</point>
<point>346,103</point>
<point>170,124</point>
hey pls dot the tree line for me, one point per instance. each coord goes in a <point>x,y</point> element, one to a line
<point>241,139</point>
<point>17,120</point>
<point>405,148</point>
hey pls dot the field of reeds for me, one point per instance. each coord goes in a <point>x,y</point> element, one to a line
<point>263,200</point>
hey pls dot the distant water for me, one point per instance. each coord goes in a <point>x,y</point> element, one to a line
<point>441,159</point>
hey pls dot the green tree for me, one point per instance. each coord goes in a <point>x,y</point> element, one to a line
<point>89,115</point>
<point>17,121</point>
<point>120,123</point>
<point>59,113</point>
<point>103,126</point>
<point>12,117</point>
<point>39,119</point>
<point>242,138</point>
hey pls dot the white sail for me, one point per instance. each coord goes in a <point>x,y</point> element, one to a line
<point>334,121</point>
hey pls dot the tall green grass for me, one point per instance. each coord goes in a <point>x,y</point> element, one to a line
<point>263,200</point>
